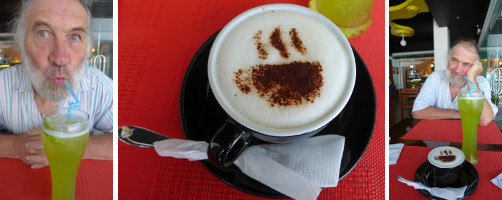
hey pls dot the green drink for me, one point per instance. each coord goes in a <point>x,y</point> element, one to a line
<point>64,140</point>
<point>470,107</point>
<point>352,17</point>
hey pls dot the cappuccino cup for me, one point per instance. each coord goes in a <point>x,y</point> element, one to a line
<point>281,72</point>
<point>447,163</point>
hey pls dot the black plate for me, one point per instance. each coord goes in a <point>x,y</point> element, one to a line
<point>201,117</point>
<point>469,176</point>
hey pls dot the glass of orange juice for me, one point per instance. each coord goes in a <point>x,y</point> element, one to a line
<point>353,17</point>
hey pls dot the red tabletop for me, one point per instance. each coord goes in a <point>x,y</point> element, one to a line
<point>19,181</point>
<point>451,131</point>
<point>488,167</point>
<point>157,41</point>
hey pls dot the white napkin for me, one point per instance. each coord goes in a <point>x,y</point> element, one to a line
<point>299,170</point>
<point>176,148</point>
<point>394,152</point>
<point>445,193</point>
<point>497,181</point>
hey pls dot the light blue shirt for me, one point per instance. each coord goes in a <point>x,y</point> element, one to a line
<point>436,93</point>
<point>19,112</point>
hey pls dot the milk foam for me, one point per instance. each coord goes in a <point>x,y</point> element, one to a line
<point>440,151</point>
<point>238,51</point>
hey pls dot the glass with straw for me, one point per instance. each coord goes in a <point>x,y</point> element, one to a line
<point>470,106</point>
<point>65,132</point>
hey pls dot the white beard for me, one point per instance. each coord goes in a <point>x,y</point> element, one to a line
<point>42,83</point>
<point>456,82</point>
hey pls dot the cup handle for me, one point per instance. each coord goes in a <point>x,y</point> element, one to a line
<point>228,143</point>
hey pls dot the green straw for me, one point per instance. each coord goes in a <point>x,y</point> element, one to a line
<point>73,105</point>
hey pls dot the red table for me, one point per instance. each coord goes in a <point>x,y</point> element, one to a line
<point>489,166</point>
<point>451,131</point>
<point>19,181</point>
<point>157,42</point>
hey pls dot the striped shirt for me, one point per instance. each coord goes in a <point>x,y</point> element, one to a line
<point>19,112</point>
<point>436,93</point>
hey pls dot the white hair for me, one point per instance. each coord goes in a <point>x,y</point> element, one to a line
<point>19,29</point>
<point>37,76</point>
<point>466,42</point>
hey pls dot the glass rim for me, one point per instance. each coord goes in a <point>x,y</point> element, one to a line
<point>467,93</point>
<point>65,110</point>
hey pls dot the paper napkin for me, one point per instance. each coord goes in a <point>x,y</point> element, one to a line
<point>299,170</point>
<point>445,193</point>
<point>394,152</point>
<point>497,181</point>
<point>176,148</point>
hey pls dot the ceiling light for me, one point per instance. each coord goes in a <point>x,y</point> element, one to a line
<point>403,42</point>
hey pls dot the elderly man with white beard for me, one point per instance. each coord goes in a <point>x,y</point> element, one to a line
<point>54,40</point>
<point>438,98</point>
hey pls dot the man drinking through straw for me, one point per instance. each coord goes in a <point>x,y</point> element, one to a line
<point>54,40</point>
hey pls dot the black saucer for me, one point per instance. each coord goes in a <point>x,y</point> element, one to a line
<point>469,176</point>
<point>201,117</point>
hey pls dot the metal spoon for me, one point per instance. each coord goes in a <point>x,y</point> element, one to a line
<point>137,136</point>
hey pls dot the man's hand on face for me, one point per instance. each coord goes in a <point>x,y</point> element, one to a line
<point>30,150</point>
<point>474,71</point>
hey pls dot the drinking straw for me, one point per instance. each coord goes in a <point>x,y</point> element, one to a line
<point>473,87</point>
<point>73,105</point>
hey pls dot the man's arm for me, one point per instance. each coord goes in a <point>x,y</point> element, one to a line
<point>100,147</point>
<point>29,148</point>
<point>26,147</point>
<point>424,106</point>
<point>436,113</point>
<point>7,146</point>
<point>487,114</point>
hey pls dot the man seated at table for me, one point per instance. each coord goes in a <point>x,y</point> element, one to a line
<point>438,98</point>
<point>54,40</point>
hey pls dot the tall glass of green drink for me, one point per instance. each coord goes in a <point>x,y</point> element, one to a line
<point>64,138</point>
<point>470,106</point>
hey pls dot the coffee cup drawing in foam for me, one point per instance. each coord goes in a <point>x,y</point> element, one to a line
<point>246,44</point>
<point>446,157</point>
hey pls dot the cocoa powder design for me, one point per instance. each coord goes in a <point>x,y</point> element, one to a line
<point>282,84</point>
